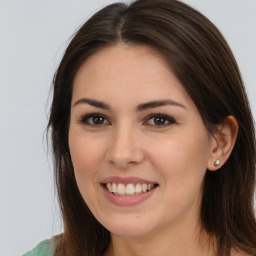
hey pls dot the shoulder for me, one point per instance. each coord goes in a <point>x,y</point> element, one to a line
<point>42,249</point>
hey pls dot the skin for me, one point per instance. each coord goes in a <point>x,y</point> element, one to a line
<point>128,142</point>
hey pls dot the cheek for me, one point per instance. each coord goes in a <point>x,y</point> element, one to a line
<point>86,156</point>
<point>182,159</point>
<point>85,153</point>
<point>181,164</point>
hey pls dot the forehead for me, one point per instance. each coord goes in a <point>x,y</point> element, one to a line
<point>122,70</point>
<point>129,57</point>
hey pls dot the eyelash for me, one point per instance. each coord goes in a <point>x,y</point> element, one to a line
<point>85,119</point>
<point>164,117</point>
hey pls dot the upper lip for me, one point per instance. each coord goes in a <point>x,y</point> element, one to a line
<point>126,180</point>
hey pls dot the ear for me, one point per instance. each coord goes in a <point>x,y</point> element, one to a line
<point>223,143</point>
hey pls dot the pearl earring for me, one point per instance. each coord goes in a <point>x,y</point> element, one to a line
<point>217,163</point>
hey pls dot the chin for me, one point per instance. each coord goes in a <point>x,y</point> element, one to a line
<point>129,231</point>
<point>129,226</point>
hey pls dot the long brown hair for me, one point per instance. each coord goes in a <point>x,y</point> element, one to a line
<point>205,65</point>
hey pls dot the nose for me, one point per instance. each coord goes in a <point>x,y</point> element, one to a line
<point>125,149</point>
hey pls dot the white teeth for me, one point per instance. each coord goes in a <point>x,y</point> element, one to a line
<point>144,187</point>
<point>130,189</point>
<point>121,189</point>
<point>114,188</point>
<point>109,187</point>
<point>138,188</point>
<point>150,186</point>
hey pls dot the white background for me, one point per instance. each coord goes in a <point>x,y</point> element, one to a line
<point>34,35</point>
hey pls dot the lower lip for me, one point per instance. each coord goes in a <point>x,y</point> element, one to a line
<point>127,200</point>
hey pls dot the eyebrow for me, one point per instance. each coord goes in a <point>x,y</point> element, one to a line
<point>94,103</point>
<point>158,103</point>
<point>140,107</point>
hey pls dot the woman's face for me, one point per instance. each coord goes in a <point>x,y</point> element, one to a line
<point>136,132</point>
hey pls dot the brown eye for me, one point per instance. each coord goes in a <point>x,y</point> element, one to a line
<point>97,120</point>
<point>160,120</point>
<point>94,119</point>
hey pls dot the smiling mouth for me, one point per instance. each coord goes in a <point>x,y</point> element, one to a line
<point>130,189</point>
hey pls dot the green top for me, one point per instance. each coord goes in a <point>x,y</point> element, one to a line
<point>42,249</point>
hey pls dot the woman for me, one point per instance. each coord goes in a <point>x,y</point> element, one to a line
<point>153,138</point>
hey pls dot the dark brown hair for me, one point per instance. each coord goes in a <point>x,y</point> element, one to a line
<point>205,65</point>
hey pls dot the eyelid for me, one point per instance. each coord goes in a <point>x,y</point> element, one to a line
<point>84,118</point>
<point>170,119</point>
